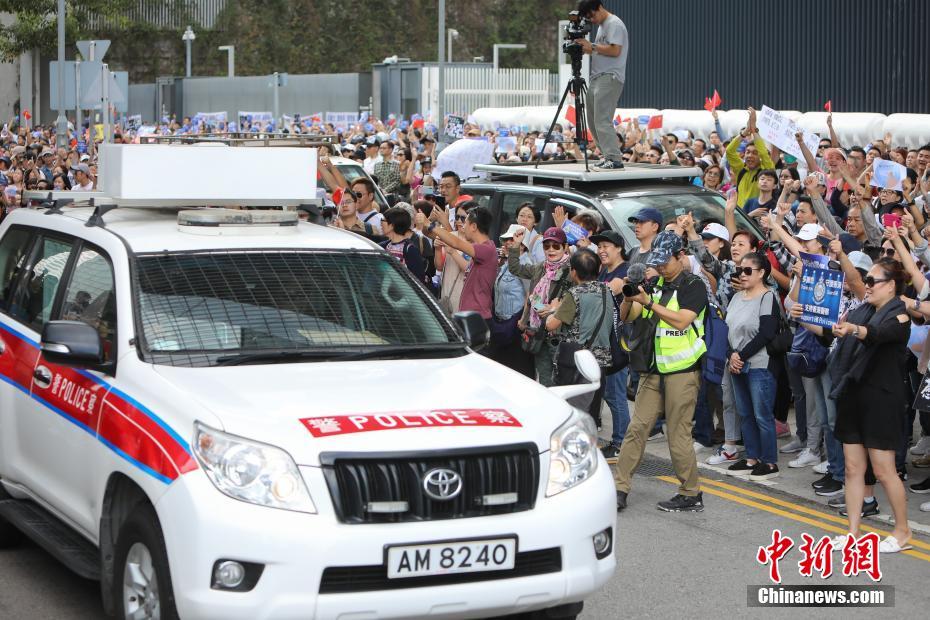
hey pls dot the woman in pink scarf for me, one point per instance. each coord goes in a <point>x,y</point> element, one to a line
<point>548,280</point>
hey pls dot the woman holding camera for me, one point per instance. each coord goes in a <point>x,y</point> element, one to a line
<point>548,281</point>
<point>871,398</point>
<point>752,319</point>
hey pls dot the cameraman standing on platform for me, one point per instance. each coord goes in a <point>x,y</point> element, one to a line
<point>608,74</point>
<point>669,324</point>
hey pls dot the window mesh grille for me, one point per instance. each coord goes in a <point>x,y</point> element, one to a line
<point>195,307</point>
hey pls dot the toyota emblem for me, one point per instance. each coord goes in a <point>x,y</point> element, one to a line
<point>442,484</point>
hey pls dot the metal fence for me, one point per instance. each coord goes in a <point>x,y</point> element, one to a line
<point>170,13</point>
<point>470,88</point>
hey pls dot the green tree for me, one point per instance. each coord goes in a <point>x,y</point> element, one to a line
<point>35,23</point>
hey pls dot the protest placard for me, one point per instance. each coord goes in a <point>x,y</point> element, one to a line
<point>342,120</point>
<point>888,174</point>
<point>506,145</point>
<point>574,232</point>
<point>461,157</point>
<point>455,128</point>
<point>820,292</point>
<point>254,117</point>
<point>776,128</point>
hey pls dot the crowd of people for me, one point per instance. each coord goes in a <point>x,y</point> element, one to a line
<point>547,293</point>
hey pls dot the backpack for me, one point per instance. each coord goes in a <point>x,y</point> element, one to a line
<point>781,343</point>
<point>716,334</point>
<point>807,355</point>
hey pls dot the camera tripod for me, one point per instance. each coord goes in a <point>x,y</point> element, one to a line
<point>579,88</point>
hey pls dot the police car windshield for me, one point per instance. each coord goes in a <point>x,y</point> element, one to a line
<point>195,308</point>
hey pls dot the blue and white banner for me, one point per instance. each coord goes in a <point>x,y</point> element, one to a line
<point>821,291</point>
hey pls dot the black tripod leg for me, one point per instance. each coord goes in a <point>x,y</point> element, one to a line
<point>555,120</point>
<point>582,125</point>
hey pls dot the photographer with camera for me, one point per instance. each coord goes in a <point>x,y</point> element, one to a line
<point>666,349</point>
<point>608,75</point>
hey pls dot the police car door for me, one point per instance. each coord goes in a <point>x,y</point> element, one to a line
<point>29,428</point>
<point>60,427</point>
<point>18,353</point>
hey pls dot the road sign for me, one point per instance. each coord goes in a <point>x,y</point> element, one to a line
<point>94,49</point>
<point>92,89</point>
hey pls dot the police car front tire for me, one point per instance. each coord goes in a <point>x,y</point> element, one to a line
<point>141,579</point>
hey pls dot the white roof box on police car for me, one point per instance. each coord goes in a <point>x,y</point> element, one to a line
<point>176,175</point>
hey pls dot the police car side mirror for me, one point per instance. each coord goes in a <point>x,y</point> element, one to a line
<point>474,329</point>
<point>72,343</point>
<point>587,365</point>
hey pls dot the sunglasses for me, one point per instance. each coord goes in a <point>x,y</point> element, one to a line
<point>552,245</point>
<point>870,281</point>
<point>746,271</point>
<point>889,252</point>
<point>461,218</point>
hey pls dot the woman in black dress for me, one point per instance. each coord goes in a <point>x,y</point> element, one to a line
<point>871,398</point>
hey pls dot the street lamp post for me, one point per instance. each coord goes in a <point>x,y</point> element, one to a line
<point>441,87</point>
<point>497,48</point>
<point>230,59</point>
<point>453,34</point>
<point>61,123</point>
<point>188,37</point>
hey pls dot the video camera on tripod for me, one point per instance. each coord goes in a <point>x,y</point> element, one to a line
<point>578,28</point>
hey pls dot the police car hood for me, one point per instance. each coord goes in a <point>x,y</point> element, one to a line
<point>374,406</point>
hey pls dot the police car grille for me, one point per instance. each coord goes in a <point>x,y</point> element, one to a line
<point>363,485</point>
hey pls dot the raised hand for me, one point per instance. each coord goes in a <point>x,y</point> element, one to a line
<point>686,222</point>
<point>559,216</point>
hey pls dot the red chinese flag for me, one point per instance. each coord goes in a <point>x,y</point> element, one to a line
<point>570,115</point>
<point>27,115</point>
<point>716,100</point>
<point>655,122</point>
<point>708,104</point>
<point>419,123</point>
<point>337,195</point>
<point>828,106</point>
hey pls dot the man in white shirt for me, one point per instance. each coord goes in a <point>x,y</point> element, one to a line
<point>365,202</point>
<point>372,156</point>
<point>82,180</point>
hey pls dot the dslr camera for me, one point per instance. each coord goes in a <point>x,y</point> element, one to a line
<point>632,288</point>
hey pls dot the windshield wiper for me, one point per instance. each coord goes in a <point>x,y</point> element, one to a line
<point>339,354</point>
<point>421,350</point>
<point>274,356</point>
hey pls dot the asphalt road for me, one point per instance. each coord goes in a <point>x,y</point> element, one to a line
<point>670,565</point>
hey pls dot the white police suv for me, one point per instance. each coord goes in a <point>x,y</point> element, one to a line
<point>227,413</point>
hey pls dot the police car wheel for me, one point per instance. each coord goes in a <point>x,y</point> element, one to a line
<point>141,579</point>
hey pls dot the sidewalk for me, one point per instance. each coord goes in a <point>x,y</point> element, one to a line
<point>797,481</point>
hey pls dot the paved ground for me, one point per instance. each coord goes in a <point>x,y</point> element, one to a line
<point>797,481</point>
<point>698,565</point>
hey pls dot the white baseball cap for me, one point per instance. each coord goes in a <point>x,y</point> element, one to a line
<point>514,229</point>
<point>808,232</point>
<point>716,230</point>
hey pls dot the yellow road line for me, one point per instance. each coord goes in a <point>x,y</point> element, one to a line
<point>797,507</point>
<point>790,515</point>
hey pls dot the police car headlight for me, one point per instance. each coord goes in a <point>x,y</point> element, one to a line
<point>572,453</point>
<point>250,471</point>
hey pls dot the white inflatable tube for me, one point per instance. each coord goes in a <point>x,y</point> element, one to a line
<point>910,130</point>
